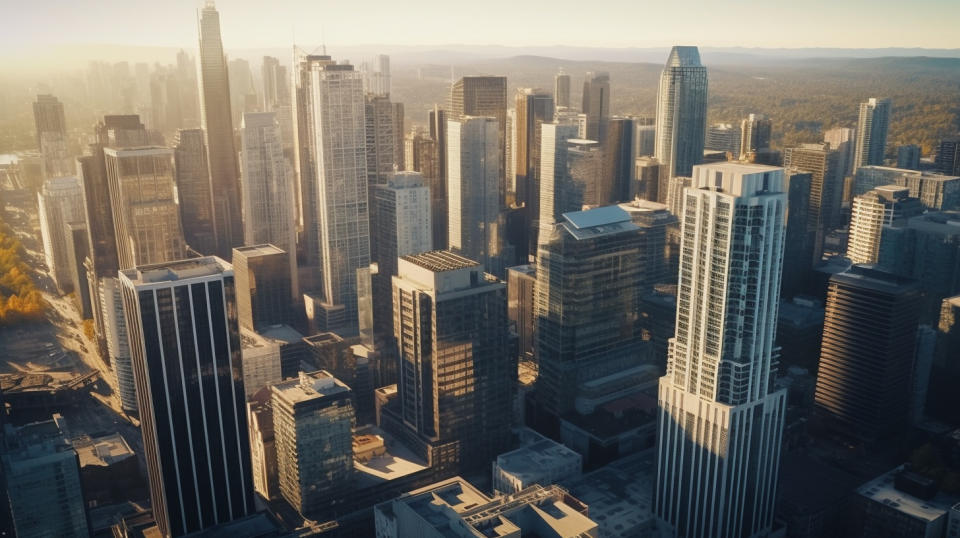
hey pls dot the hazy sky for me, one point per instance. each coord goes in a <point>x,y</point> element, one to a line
<point>28,24</point>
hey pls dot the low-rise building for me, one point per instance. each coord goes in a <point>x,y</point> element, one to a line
<point>542,462</point>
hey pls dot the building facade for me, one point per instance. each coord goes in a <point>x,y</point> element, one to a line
<point>681,111</point>
<point>60,203</point>
<point>872,132</point>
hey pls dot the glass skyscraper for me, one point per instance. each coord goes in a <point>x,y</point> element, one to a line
<point>681,111</point>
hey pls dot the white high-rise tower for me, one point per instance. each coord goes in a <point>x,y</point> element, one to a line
<point>720,421</point>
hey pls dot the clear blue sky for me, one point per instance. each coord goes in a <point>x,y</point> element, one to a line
<point>609,23</point>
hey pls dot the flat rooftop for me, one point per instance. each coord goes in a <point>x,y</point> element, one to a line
<point>440,260</point>
<point>531,460</point>
<point>283,333</point>
<point>178,270</point>
<point>881,490</point>
<point>598,222</point>
<point>102,451</point>
<point>310,386</point>
<point>265,249</point>
<point>398,461</point>
<point>620,495</point>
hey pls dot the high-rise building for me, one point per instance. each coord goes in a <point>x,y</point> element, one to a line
<point>521,282</point>
<point>561,89</point>
<point>77,252</point>
<point>145,210</point>
<point>437,119</point>
<point>185,345</point>
<point>195,191</point>
<point>42,479</point>
<point>268,190</point>
<point>646,136</point>
<point>456,379</point>
<point>263,449</point>
<point>872,133</point>
<point>402,227</point>
<point>218,125</point>
<point>313,419</point>
<point>908,156</point>
<point>681,111</point>
<point>473,196</point>
<point>118,343</point>
<point>721,421</point>
<point>935,191</point>
<point>384,127</point>
<point>533,109</point>
<point>755,134</point>
<point>948,156</point>
<point>276,89</point>
<point>423,157</point>
<point>51,131</point>
<point>592,268</point>
<point>60,203</point>
<point>826,188</point>
<point>554,177</point>
<point>723,137</point>
<point>619,159</point>
<point>483,96</point>
<point>376,76</point>
<point>595,104</point>
<point>866,358</point>
<point>943,397</point>
<point>798,249</point>
<point>332,162</point>
<point>843,140</point>
<point>651,180</point>
<point>872,212</point>
<point>262,276</point>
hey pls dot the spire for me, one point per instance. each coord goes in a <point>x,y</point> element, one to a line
<point>681,56</point>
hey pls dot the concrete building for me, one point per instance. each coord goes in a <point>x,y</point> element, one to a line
<point>454,508</point>
<point>195,191</point>
<point>948,156</point>
<point>185,345</point>
<point>826,188</point>
<point>481,96</point>
<point>118,345</point>
<point>262,275</point>
<point>42,478</point>
<point>755,133</point>
<point>888,508</point>
<point>866,358</point>
<point>51,129</point>
<point>146,210</point>
<point>217,121</point>
<point>332,167</point>
<point>595,103</point>
<point>561,89</point>
<point>874,211</point>
<point>681,111</point>
<point>720,369</point>
<point>456,378</point>
<point>908,156</point>
<point>109,469</point>
<point>261,361</point>
<point>936,191</point>
<point>724,137</point>
<point>263,450</point>
<point>542,462</point>
<point>843,140</point>
<point>872,132</point>
<point>269,214</point>
<point>473,199</point>
<point>313,419</point>
<point>60,203</point>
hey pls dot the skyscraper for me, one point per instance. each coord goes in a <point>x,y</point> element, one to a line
<point>313,419</point>
<point>866,358</point>
<point>60,203</point>
<point>473,197</point>
<point>437,118</point>
<point>826,188</point>
<point>755,131</point>
<point>268,190</point>
<point>948,156</point>
<point>195,191</point>
<point>872,132</point>
<point>332,161</point>
<point>596,104</point>
<point>798,249</point>
<point>872,212</point>
<point>554,177</point>
<point>561,89</point>
<point>276,90</point>
<point>263,284</point>
<point>51,129</point>
<point>723,137</point>
<point>681,111</point>
<point>720,421</point>
<point>218,124</point>
<point>908,156</point>
<point>384,126</point>
<point>185,345</point>
<point>146,214</point>
<point>456,381</point>
<point>483,96</point>
<point>533,108</point>
<point>842,140</point>
<point>619,161</point>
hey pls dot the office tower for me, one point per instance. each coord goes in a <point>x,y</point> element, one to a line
<point>595,103</point>
<point>313,421</point>
<point>483,96</point>
<point>437,120</point>
<point>533,108</point>
<point>51,129</point>
<point>674,200</point>
<point>554,176</point>
<point>263,283</point>
<point>826,186</point>
<point>384,127</point>
<point>473,197</point>
<point>871,133</point>
<point>798,249</point>
<point>376,76</point>
<point>243,96</point>
<point>755,133</point>
<point>456,379</point>
<point>844,141</point>
<point>263,449</point>
<point>77,252</point>
<point>948,156</point>
<point>651,180</point>
<point>60,203</point>
<point>646,137</point>
<point>681,111</point>
<point>561,89</point>
<point>118,346</point>
<point>185,345</point>
<point>402,227</point>
<point>268,190</point>
<point>145,210</point>
<point>935,191</point>
<point>908,156</point>
<point>195,191</point>
<point>584,172</point>
<point>218,125</point>
<point>866,358</point>
<point>521,282</point>
<point>424,158</point>
<point>591,268</point>
<point>42,479</point>
<point>872,212</point>
<point>723,137</point>
<point>332,161</point>
<point>619,159</point>
<point>276,90</point>
<point>720,420</point>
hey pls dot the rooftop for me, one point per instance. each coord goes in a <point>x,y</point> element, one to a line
<point>882,490</point>
<point>178,270</point>
<point>531,460</point>
<point>440,260</point>
<point>310,386</point>
<point>265,249</point>
<point>870,276</point>
<point>620,495</point>
<point>102,451</point>
<point>398,460</point>
<point>283,333</point>
<point>596,222</point>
